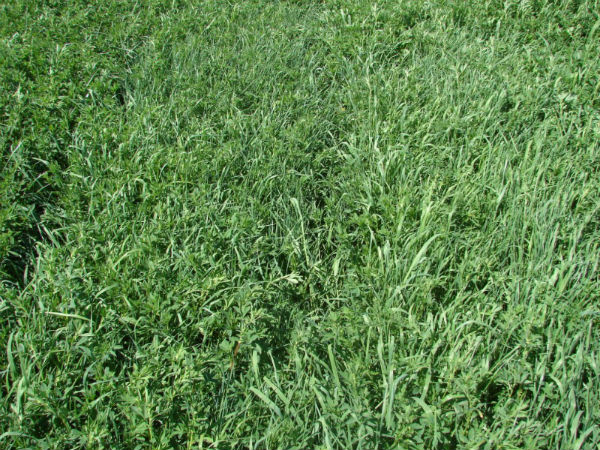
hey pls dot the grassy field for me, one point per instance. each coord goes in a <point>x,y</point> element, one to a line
<point>300,224</point>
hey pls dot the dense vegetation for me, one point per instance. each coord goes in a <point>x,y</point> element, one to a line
<point>300,224</point>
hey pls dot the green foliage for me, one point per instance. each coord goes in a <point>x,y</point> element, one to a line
<point>294,224</point>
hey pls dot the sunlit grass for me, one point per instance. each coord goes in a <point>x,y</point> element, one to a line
<point>300,224</point>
